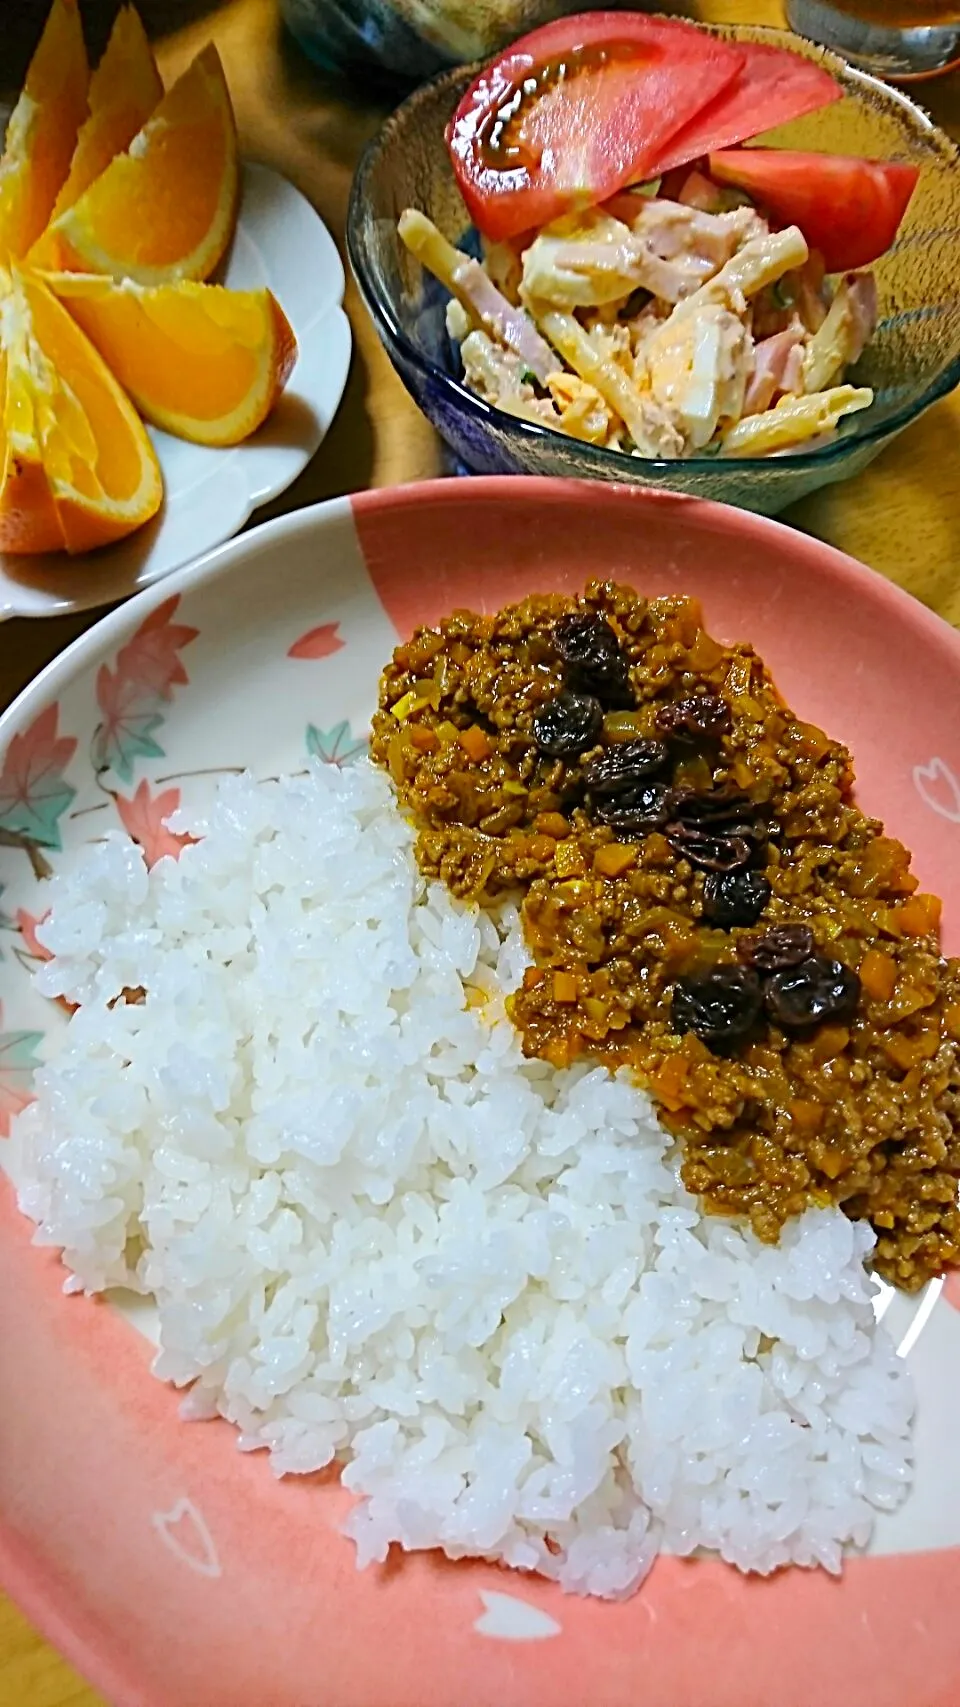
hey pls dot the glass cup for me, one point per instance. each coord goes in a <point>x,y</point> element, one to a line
<point>896,39</point>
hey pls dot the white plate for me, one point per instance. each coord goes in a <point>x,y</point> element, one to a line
<point>280,242</point>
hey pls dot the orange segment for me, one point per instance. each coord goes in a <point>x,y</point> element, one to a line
<point>124,90</point>
<point>28,518</point>
<point>43,129</point>
<point>205,363</point>
<point>166,209</point>
<point>100,477</point>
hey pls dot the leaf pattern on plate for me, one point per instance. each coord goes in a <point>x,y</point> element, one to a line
<point>34,793</point>
<point>337,745</point>
<point>134,695</point>
<point>26,924</point>
<point>319,642</point>
<point>144,818</point>
<point>18,1059</point>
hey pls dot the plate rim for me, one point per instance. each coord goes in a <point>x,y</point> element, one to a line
<point>502,490</point>
<point>29,1585</point>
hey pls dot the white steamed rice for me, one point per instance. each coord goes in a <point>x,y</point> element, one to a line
<point>375,1232</point>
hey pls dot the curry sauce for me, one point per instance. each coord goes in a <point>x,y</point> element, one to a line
<point>703,902</point>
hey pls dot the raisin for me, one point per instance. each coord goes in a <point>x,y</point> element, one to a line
<point>783,947</point>
<point>710,853</point>
<point>734,898</point>
<point>720,1008</point>
<point>718,806</point>
<point>625,767</point>
<point>592,657</point>
<point>568,725</point>
<point>646,809</point>
<point>702,716</point>
<point>807,994</point>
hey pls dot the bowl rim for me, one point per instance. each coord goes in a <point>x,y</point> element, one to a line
<point>656,470</point>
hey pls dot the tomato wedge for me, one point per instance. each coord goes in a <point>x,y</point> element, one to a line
<point>575,110</point>
<point>772,87</point>
<point>847,208</point>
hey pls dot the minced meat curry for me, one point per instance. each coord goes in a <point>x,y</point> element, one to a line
<point>703,902</point>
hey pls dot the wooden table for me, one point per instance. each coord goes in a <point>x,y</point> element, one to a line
<point>902,516</point>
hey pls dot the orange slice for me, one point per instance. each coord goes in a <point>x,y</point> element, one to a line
<point>124,90</point>
<point>43,127</point>
<point>79,469</point>
<point>205,363</point>
<point>166,209</point>
<point>28,517</point>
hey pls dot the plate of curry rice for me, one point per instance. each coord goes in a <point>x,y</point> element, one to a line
<point>480,1032</point>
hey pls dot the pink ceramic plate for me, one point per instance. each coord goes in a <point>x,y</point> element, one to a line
<point>174,1571</point>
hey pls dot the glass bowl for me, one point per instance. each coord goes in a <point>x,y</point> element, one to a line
<point>913,359</point>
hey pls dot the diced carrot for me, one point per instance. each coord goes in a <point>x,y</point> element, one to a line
<point>569,860</point>
<point>475,743</point>
<point>552,824</point>
<point>888,921</point>
<point>670,1082</point>
<point>888,860</point>
<point>951,1020</point>
<point>920,915</point>
<point>831,1162</point>
<point>560,1051</point>
<point>532,976</point>
<point>905,1052</point>
<point>830,1042</point>
<point>912,995</point>
<point>424,739</point>
<point>564,987</point>
<point>541,848</point>
<point>878,974</point>
<point>806,1115</point>
<point>614,858</point>
<point>656,849</point>
<point>573,891</point>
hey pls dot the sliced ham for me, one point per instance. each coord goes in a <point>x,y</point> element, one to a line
<point>777,362</point>
<point>508,324</point>
<point>861,291</point>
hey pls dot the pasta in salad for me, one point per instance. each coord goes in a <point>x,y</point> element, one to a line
<point>660,328</point>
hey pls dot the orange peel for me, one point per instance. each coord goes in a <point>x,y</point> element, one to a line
<point>42,132</point>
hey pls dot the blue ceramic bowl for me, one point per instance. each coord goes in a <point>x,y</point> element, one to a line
<point>913,359</point>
